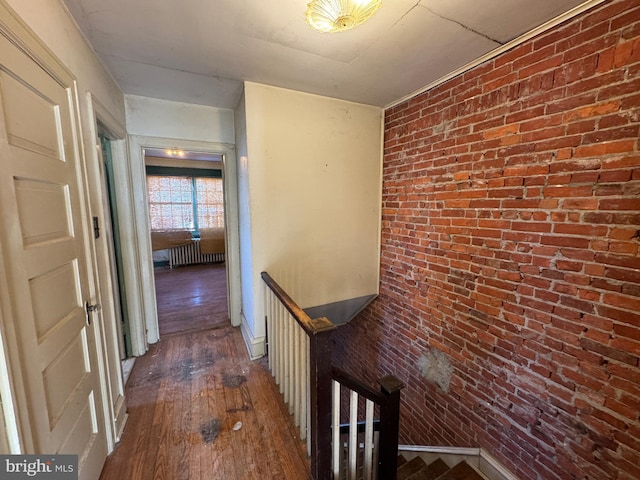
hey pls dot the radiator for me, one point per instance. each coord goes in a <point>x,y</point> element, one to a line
<point>190,255</point>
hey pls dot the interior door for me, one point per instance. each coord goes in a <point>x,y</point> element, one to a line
<point>45,258</point>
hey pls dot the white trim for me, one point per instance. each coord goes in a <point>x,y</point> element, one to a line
<point>127,227</point>
<point>440,450</point>
<point>501,49</point>
<point>492,463</point>
<point>146,324</point>
<point>9,416</point>
<point>114,401</point>
<point>256,346</point>
<point>139,244</point>
<point>486,464</point>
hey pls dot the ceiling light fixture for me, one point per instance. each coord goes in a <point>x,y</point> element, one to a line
<point>340,15</point>
<point>174,152</point>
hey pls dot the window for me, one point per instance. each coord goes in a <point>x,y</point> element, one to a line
<point>209,202</point>
<point>185,203</point>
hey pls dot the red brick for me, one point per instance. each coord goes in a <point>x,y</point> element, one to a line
<point>522,218</point>
<point>605,148</point>
<point>620,204</point>
<point>592,111</point>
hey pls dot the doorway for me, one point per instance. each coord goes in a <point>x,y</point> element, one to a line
<point>185,195</point>
<point>137,248</point>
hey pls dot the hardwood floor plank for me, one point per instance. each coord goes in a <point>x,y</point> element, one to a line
<point>191,298</point>
<point>184,398</point>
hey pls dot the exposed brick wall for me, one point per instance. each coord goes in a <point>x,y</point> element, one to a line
<point>511,227</point>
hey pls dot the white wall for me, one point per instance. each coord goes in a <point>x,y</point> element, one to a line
<point>313,171</point>
<point>162,118</point>
<point>246,252</point>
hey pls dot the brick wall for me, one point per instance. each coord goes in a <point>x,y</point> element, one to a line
<point>511,227</point>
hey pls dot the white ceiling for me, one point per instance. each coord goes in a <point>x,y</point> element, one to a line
<point>200,51</point>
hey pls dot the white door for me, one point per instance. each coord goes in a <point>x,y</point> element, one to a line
<point>45,260</point>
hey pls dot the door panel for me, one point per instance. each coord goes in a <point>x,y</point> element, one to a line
<point>42,225</point>
<point>42,238</point>
<point>56,294</point>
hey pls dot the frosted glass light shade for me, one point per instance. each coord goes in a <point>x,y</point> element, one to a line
<point>340,15</point>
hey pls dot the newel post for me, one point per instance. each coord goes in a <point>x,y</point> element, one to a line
<point>390,387</point>
<point>320,379</point>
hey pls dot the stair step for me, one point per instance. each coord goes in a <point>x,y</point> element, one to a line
<point>431,471</point>
<point>462,471</point>
<point>412,466</point>
<point>401,460</point>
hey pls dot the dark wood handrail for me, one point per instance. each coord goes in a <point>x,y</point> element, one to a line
<point>357,386</point>
<point>309,325</point>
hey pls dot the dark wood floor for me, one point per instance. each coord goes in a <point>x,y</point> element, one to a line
<point>184,398</point>
<point>191,298</point>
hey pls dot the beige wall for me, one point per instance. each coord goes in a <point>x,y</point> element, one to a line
<point>313,170</point>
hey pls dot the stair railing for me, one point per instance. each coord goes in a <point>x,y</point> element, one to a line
<point>362,457</point>
<point>300,360</point>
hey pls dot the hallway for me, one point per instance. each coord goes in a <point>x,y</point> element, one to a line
<point>184,398</point>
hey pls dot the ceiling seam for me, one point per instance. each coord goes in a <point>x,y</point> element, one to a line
<point>501,49</point>
<point>464,26</point>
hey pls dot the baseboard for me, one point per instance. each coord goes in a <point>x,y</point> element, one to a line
<point>256,346</point>
<point>121,421</point>
<point>476,457</point>
<point>492,468</point>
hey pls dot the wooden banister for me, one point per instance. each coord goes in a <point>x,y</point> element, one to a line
<point>352,383</point>
<point>320,385</point>
<point>388,398</point>
<point>390,387</point>
<point>321,376</point>
<point>310,326</point>
<point>320,360</point>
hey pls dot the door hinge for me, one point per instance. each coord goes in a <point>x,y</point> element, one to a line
<point>96,227</point>
<point>90,308</point>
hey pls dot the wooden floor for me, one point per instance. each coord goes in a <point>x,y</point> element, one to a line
<point>191,298</point>
<point>184,398</point>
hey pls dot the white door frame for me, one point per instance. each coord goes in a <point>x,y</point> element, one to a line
<point>137,244</point>
<point>114,403</point>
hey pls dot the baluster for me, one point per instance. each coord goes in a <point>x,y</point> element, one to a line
<point>336,443</point>
<point>296,366</point>
<point>268,300</point>
<point>368,441</point>
<point>307,405</point>
<point>353,435</point>
<point>281,324</point>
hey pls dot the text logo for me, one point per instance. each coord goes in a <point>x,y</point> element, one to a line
<point>43,467</point>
